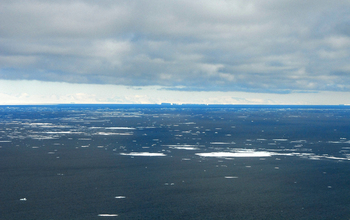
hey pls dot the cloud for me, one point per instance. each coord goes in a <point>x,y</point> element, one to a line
<point>255,46</point>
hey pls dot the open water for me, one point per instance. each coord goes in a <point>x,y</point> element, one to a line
<point>174,162</point>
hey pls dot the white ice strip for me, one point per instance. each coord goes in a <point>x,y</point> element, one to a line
<point>55,126</point>
<point>149,127</point>
<point>144,154</point>
<point>183,147</point>
<point>180,145</point>
<point>220,142</point>
<point>107,215</point>
<point>298,141</point>
<point>237,154</point>
<point>5,141</point>
<point>120,128</point>
<point>298,145</point>
<point>62,132</point>
<point>280,139</point>
<point>336,158</point>
<point>189,123</point>
<point>339,142</point>
<point>110,133</point>
<point>312,156</point>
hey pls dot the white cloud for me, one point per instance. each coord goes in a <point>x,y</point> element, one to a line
<point>224,45</point>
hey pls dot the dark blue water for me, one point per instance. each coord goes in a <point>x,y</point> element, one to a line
<point>174,162</point>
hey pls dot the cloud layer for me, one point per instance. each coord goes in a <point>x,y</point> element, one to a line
<point>255,46</point>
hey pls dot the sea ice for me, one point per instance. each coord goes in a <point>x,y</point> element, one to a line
<point>143,154</point>
<point>183,147</point>
<point>280,139</point>
<point>120,128</point>
<point>107,215</point>
<point>237,154</point>
<point>231,177</point>
<point>112,133</point>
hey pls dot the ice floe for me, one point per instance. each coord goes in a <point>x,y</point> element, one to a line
<point>280,139</point>
<point>144,154</point>
<point>107,215</point>
<point>112,133</point>
<point>183,147</point>
<point>62,132</point>
<point>119,128</point>
<point>221,143</point>
<point>237,154</point>
<point>231,177</point>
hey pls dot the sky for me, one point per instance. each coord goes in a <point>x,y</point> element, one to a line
<point>154,51</point>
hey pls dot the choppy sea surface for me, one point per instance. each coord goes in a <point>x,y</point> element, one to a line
<point>174,162</point>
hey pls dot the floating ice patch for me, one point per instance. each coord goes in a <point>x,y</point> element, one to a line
<point>107,215</point>
<point>183,147</point>
<point>62,132</point>
<point>220,143</point>
<point>298,141</point>
<point>189,123</point>
<point>120,128</point>
<point>280,139</point>
<point>111,133</point>
<point>144,154</point>
<point>336,158</point>
<point>237,154</point>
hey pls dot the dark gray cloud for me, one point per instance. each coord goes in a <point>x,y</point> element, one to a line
<point>258,46</point>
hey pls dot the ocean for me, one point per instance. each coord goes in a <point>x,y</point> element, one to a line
<point>174,162</point>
